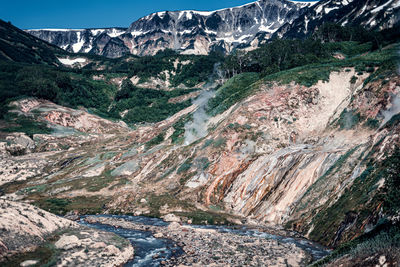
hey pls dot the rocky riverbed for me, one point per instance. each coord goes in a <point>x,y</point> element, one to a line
<point>205,246</point>
<point>33,237</point>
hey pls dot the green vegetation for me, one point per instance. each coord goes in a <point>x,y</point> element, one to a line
<point>348,119</point>
<point>372,123</point>
<point>185,166</point>
<point>156,140</point>
<point>155,203</point>
<point>179,129</point>
<point>64,88</point>
<point>82,204</point>
<point>233,91</point>
<point>146,105</point>
<point>55,205</point>
<point>45,254</point>
<point>385,238</point>
<point>19,123</point>
<point>199,71</point>
<point>18,46</point>
<point>391,193</point>
<point>361,199</point>
<point>205,217</point>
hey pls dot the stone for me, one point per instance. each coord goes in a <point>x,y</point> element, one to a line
<point>68,242</point>
<point>111,250</point>
<point>171,218</point>
<point>28,263</point>
<point>174,226</point>
<point>158,235</point>
<point>99,245</point>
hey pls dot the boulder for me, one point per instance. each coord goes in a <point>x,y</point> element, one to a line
<point>171,218</point>
<point>19,144</point>
<point>174,226</point>
<point>158,235</point>
<point>28,263</point>
<point>68,242</point>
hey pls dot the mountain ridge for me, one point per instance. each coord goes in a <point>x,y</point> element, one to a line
<point>188,31</point>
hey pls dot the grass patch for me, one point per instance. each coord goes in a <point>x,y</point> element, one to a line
<point>385,237</point>
<point>19,123</point>
<point>155,203</point>
<point>205,217</point>
<point>185,166</point>
<point>46,255</point>
<point>156,140</point>
<point>82,204</point>
<point>233,91</point>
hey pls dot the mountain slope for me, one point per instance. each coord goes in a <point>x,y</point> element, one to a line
<point>370,14</point>
<point>191,32</point>
<point>92,41</point>
<point>18,46</point>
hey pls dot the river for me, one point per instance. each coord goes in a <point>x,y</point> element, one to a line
<point>151,251</point>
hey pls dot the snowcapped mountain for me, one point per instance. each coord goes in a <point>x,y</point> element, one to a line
<point>95,41</point>
<point>197,32</point>
<point>371,14</point>
<point>190,32</point>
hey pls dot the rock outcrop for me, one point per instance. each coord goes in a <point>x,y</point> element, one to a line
<point>26,229</point>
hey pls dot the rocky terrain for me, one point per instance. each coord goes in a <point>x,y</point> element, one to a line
<point>303,142</point>
<point>190,32</point>
<point>208,247</point>
<point>246,27</point>
<point>372,14</point>
<point>288,155</point>
<point>30,237</point>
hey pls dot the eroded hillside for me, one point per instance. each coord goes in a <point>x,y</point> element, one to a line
<point>302,157</point>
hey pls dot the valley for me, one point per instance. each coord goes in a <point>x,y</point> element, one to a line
<point>285,154</point>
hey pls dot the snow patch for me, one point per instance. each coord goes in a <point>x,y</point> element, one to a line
<point>379,8</point>
<point>67,61</point>
<point>115,33</point>
<point>78,46</point>
<point>327,10</point>
<point>97,32</point>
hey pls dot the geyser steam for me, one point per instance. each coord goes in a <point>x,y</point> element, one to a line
<point>198,127</point>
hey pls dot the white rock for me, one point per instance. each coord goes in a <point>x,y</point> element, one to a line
<point>174,226</point>
<point>111,250</point>
<point>171,218</point>
<point>28,263</point>
<point>158,235</point>
<point>68,242</point>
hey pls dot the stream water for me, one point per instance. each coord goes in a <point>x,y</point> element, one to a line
<point>147,247</point>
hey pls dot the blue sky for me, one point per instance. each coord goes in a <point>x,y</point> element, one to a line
<point>34,14</point>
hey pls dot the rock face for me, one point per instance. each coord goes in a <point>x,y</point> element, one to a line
<point>25,228</point>
<point>371,14</point>
<point>190,32</point>
<point>93,41</point>
<point>64,117</point>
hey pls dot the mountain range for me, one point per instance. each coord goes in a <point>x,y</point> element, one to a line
<point>199,32</point>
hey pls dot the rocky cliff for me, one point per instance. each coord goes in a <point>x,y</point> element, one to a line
<point>190,32</point>
<point>30,236</point>
<point>371,14</point>
<point>94,41</point>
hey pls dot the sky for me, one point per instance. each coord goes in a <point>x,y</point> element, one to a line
<point>77,14</point>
